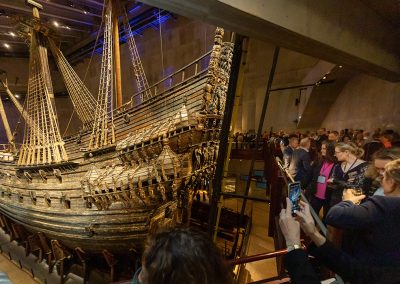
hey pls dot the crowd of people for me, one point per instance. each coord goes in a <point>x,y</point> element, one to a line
<point>354,179</point>
<point>327,162</point>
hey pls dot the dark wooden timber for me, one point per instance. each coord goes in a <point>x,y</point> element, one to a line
<point>224,136</point>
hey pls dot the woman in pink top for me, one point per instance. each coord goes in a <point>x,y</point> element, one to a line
<point>319,188</point>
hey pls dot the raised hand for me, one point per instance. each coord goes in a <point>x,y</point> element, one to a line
<point>308,225</point>
<point>305,219</point>
<point>289,226</point>
<point>348,195</point>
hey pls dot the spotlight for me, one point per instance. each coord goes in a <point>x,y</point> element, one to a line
<point>17,96</point>
<point>6,45</point>
<point>340,66</point>
<point>12,34</point>
<point>67,27</point>
<point>323,78</point>
<point>85,12</point>
<point>55,23</point>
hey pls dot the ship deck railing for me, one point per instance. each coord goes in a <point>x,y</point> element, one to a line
<point>179,77</point>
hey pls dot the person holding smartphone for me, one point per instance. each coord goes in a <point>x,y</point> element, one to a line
<point>297,262</point>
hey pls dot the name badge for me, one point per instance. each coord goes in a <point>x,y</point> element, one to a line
<point>321,179</point>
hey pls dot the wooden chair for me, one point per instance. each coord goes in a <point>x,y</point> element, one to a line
<point>111,261</point>
<point>61,259</point>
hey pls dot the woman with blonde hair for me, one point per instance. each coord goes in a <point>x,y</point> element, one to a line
<point>350,173</point>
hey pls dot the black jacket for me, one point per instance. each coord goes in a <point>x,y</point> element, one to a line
<point>376,228</point>
<point>299,268</point>
<point>349,268</point>
<point>300,166</point>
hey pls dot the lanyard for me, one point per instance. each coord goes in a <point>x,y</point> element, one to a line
<point>344,168</point>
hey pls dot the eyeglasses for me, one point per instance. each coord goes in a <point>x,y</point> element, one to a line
<point>135,279</point>
<point>337,152</point>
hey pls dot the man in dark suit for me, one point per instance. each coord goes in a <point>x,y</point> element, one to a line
<point>320,138</point>
<point>300,166</point>
<point>288,151</point>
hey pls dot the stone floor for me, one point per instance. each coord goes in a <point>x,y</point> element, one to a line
<point>14,273</point>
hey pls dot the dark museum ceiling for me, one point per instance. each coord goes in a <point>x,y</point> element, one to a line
<point>74,23</point>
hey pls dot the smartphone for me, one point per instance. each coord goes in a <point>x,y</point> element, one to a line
<point>294,194</point>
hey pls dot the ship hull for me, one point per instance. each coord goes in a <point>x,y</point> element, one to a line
<point>112,197</point>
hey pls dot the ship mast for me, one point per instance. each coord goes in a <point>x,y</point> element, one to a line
<point>117,58</point>
<point>3,115</point>
<point>42,140</point>
<point>42,51</point>
<point>103,127</point>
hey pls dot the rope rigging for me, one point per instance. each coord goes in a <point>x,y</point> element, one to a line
<point>42,140</point>
<point>87,68</point>
<point>103,127</point>
<point>83,101</point>
<point>140,76</point>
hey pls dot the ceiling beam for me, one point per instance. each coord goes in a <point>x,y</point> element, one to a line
<point>348,34</point>
<point>19,5</point>
<point>65,7</point>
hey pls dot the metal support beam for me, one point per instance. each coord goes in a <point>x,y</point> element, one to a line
<point>260,125</point>
<point>234,195</point>
<point>323,29</point>
<point>303,86</point>
<point>259,132</point>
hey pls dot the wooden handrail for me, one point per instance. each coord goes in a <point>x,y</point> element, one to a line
<point>257,257</point>
<point>173,74</point>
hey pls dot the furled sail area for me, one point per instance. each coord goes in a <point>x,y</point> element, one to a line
<point>83,101</point>
<point>103,127</point>
<point>42,140</point>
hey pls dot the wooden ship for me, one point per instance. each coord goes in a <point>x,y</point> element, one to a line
<point>133,167</point>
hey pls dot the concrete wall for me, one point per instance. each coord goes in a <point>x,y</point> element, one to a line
<point>366,103</point>
<point>291,70</point>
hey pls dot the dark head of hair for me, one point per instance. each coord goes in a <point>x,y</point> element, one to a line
<point>388,134</point>
<point>390,154</point>
<point>330,151</point>
<point>183,256</point>
<point>293,136</point>
<point>335,132</point>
